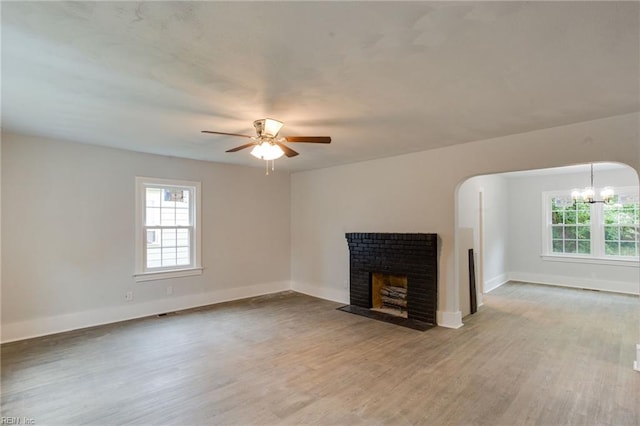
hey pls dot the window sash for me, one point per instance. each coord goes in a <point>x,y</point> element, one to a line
<point>164,209</point>
<point>177,265</point>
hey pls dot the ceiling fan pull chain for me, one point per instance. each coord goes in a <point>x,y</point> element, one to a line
<point>266,168</point>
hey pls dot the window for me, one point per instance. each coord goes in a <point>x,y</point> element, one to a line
<point>592,231</point>
<point>621,224</point>
<point>167,228</point>
<point>570,226</point>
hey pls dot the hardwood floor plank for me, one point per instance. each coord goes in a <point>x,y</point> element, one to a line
<point>531,355</point>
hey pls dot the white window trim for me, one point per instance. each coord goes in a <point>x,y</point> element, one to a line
<point>140,274</point>
<point>597,245</point>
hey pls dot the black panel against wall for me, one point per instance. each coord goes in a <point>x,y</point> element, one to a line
<point>413,255</point>
<point>472,283</point>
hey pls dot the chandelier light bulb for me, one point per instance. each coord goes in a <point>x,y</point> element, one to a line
<point>588,194</point>
<point>607,194</point>
<point>576,194</point>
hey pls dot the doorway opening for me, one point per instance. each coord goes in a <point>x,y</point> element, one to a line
<point>503,218</point>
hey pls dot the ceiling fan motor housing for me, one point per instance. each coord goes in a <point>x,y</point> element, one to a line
<point>259,125</point>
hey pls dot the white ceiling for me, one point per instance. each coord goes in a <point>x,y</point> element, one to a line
<point>381,78</point>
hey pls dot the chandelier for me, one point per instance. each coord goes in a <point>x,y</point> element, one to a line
<point>587,195</point>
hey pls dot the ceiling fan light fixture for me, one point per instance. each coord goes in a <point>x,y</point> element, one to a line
<point>272,127</point>
<point>268,127</point>
<point>267,145</point>
<point>267,151</point>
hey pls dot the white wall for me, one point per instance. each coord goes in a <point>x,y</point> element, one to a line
<point>491,259</point>
<point>525,230</point>
<point>68,242</point>
<point>0,234</point>
<point>55,279</point>
<point>416,193</point>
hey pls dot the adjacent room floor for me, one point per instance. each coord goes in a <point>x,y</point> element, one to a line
<point>531,355</point>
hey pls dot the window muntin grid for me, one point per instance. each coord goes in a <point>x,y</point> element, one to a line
<point>168,226</point>
<point>570,227</point>
<point>621,226</point>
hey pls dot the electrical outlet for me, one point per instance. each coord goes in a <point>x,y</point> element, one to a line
<point>169,290</point>
<point>128,296</point>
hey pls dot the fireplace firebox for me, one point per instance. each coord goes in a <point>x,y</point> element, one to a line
<point>394,277</point>
<point>389,294</point>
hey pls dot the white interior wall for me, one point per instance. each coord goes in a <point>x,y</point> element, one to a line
<point>491,263</point>
<point>416,193</point>
<point>525,242</point>
<point>68,241</point>
<point>0,234</point>
<point>85,284</point>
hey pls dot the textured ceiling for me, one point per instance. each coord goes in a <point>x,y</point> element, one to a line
<point>381,78</point>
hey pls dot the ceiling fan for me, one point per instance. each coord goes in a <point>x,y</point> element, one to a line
<point>267,144</point>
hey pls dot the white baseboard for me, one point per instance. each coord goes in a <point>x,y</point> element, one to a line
<point>449,319</point>
<point>495,282</point>
<point>327,293</point>
<point>636,363</point>
<point>77,320</point>
<point>574,282</point>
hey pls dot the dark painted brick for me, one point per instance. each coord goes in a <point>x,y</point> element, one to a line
<point>411,254</point>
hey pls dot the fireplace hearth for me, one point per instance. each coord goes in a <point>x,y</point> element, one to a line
<point>394,278</point>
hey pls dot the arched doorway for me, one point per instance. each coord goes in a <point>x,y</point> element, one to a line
<point>500,217</point>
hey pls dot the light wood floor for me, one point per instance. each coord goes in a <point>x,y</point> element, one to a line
<point>531,355</point>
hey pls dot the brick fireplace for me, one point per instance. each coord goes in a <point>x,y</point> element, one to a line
<point>408,258</point>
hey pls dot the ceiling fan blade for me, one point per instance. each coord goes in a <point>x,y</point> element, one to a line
<point>238,148</point>
<point>287,151</point>
<point>224,133</point>
<point>309,139</point>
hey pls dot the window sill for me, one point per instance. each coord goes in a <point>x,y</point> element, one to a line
<point>592,260</point>
<point>164,275</point>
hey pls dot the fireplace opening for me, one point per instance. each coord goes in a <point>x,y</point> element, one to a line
<point>414,295</point>
<point>389,294</point>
